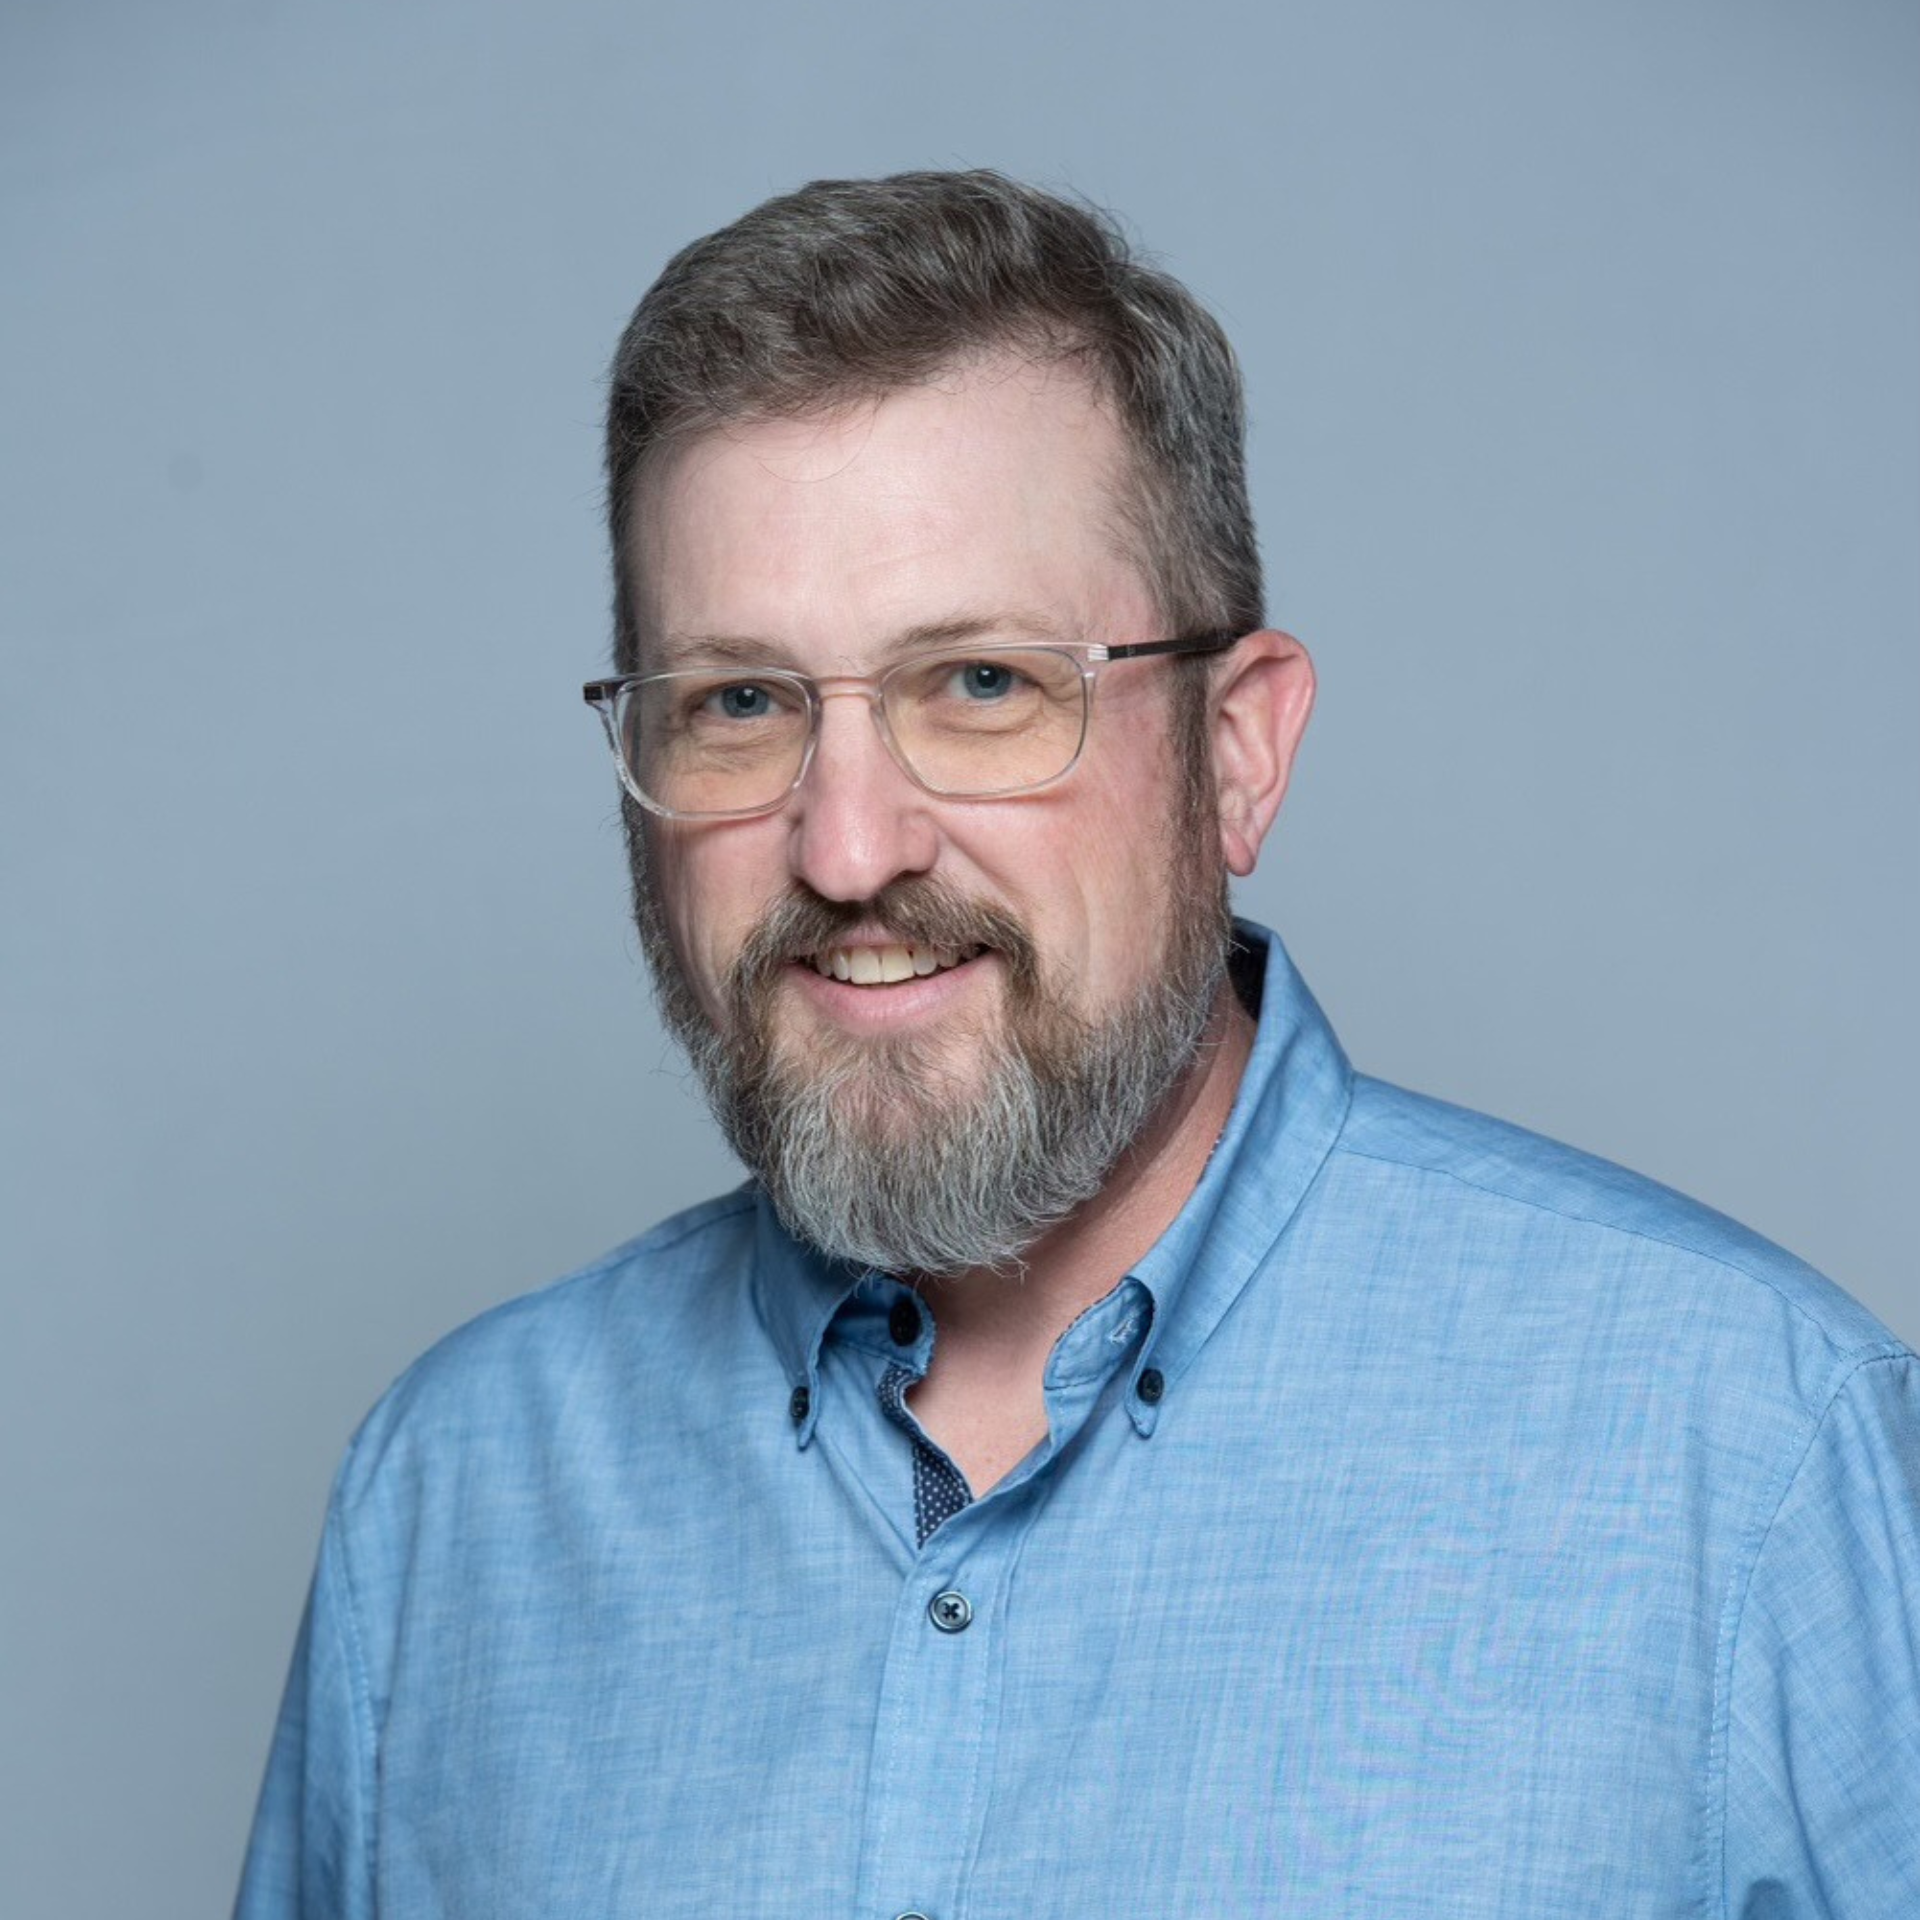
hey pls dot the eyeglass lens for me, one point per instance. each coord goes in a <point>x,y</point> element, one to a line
<point>986,723</point>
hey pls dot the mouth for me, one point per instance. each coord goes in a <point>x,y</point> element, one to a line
<point>886,965</point>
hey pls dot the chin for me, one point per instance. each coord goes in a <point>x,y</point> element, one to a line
<point>892,1077</point>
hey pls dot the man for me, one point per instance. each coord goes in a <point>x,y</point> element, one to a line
<point>1112,1459</point>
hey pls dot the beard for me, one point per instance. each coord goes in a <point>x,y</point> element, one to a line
<point>941,1154</point>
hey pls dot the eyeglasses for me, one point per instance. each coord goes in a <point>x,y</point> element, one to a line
<point>975,723</point>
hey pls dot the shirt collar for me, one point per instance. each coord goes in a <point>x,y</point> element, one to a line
<point>1286,1116</point>
<point>1291,1105</point>
<point>797,1292</point>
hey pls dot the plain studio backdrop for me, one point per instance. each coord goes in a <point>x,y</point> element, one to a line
<point>1586,450</point>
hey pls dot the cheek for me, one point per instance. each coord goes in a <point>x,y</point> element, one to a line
<point>678,887</point>
<point>712,893</point>
<point>1127,886</point>
<point>1125,857</point>
<point>1092,890</point>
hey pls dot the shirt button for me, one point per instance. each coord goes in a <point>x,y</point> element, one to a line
<point>903,1323</point>
<point>951,1612</point>
<point>798,1405</point>
<point>915,1914</point>
<point>1152,1384</point>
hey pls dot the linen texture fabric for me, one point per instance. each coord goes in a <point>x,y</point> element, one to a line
<point>1498,1533</point>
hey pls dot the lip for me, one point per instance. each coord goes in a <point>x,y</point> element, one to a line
<point>882,1008</point>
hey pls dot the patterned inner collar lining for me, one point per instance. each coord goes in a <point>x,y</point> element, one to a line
<point>939,1491</point>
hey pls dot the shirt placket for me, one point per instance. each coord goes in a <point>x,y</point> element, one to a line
<point>933,1728</point>
<point>932,1764</point>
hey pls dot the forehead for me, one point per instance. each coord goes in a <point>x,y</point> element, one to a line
<point>998,486</point>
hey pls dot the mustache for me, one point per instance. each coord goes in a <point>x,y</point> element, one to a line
<point>916,911</point>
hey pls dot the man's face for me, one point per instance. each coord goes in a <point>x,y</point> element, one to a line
<point>1072,929</point>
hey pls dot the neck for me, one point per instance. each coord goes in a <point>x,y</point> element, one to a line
<point>982,1398</point>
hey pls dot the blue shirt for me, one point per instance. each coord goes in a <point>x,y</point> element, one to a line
<point>1436,1521</point>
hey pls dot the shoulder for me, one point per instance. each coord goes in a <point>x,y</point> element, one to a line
<point>1522,1190</point>
<point>641,1317</point>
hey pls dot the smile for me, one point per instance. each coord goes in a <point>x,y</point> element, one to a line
<point>885,966</point>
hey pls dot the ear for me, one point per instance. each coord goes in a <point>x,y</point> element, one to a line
<point>1260,706</point>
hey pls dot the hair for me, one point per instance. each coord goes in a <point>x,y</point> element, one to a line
<point>848,290</point>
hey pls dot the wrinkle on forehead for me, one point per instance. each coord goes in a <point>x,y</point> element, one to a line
<point>904,501</point>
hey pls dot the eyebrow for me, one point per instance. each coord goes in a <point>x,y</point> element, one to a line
<point>747,650</point>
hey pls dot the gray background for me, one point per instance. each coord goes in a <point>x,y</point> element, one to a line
<point>1580,344</point>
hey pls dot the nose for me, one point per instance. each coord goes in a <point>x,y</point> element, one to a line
<point>856,821</point>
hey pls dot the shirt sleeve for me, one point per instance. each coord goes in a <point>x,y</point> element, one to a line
<point>1823,1728</point>
<point>310,1855</point>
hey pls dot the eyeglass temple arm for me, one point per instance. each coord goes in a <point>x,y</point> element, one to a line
<point>1203,643</point>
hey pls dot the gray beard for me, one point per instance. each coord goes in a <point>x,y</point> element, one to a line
<point>870,1153</point>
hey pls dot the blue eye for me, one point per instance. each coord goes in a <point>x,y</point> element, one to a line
<point>984,680</point>
<point>744,700</point>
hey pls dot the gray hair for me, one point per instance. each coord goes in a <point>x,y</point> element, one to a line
<point>851,289</point>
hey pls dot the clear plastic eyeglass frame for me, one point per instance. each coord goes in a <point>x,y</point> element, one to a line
<point>1086,657</point>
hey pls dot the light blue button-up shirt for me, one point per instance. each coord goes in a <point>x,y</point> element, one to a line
<point>1436,1521</point>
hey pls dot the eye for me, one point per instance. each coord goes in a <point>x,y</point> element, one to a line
<point>741,700</point>
<point>983,680</point>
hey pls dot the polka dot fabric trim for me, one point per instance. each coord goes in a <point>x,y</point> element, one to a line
<point>938,1490</point>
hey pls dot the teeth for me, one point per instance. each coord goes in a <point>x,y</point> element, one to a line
<point>883,966</point>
